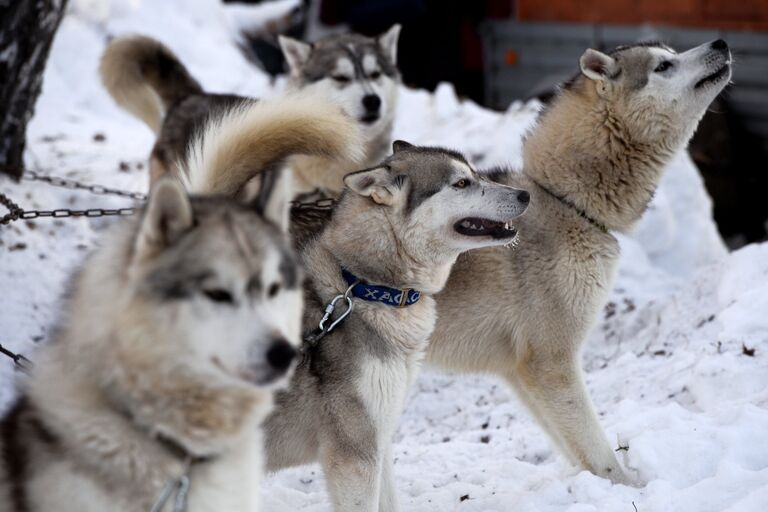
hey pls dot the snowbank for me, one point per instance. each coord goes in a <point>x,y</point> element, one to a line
<point>670,364</point>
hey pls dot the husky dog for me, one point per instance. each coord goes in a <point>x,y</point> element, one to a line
<point>360,74</point>
<point>592,165</point>
<point>387,248</point>
<point>177,333</point>
<point>357,73</point>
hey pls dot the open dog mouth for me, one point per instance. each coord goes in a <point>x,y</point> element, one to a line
<point>714,77</point>
<point>475,226</point>
<point>369,118</point>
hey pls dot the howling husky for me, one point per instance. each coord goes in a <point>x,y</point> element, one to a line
<point>357,73</point>
<point>175,336</point>
<point>385,251</point>
<point>592,165</point>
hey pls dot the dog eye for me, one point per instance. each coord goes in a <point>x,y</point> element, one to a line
<point>462,183</point>
<point>663,66</point>
<point>219,295</point>
<point>273,289</point>
<point>375,75</point>
<point>342,79</point>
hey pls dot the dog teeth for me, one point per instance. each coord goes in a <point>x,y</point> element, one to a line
<point>466,224</point>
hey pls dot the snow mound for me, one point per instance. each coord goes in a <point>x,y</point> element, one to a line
<point>676,364</point>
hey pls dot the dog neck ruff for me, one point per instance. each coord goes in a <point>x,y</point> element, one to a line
<point>395,297</point>
<point>599,225</point>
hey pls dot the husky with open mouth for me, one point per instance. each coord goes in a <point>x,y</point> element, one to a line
<point>373,269</point>
<point>592,165</point>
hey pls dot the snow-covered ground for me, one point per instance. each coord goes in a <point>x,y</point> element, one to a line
<point>677,363</point>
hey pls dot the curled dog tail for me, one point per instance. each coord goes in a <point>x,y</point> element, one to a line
<point>252,137</point>
<point>145,77</point>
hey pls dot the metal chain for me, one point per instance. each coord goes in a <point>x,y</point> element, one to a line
<point>76,185</point>
<point>325,203</point>
<point>15,212</point>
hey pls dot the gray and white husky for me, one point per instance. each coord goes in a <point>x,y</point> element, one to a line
<point>386,250</point>
<point>591,164</point>
<point>176,334</point>
<point>357,73</point>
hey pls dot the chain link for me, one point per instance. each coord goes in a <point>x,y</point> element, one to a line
<point>15,212</point>
<point>325,203</point>
<point>76,185</point>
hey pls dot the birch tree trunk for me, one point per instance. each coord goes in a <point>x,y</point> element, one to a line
<point>26,32</point>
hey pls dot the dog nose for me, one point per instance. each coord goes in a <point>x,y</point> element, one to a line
<point>371,102</point>
<point>280,354</point>
<point>719,45</point>
<point>524,197</point>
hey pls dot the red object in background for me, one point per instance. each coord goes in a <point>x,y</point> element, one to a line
<point>725,14</point>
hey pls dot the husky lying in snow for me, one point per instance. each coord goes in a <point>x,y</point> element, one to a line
<point>357,73</point>
<point>177,333</point>
<point>387,248</point>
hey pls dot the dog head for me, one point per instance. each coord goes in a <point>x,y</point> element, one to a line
<point>357,72</point>
<point>214,288</point>
<point>656,91</point>
<point>435,203</point>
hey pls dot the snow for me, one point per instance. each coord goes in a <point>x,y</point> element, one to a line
<point>669,364</point>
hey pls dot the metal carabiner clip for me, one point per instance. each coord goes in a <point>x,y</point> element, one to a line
<point>329,309</point>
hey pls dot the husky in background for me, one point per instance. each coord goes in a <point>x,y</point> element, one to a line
<point>176,335</point>
<point>592,165</point>
<point>387,248</point>
<point>360,74</point>
<point>357,73</point>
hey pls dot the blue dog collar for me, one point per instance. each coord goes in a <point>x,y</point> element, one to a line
<point>374,293</point>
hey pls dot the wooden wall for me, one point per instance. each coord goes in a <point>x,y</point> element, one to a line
<point>725,14</point>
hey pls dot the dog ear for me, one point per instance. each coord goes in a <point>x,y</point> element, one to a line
<point>376,183</point>
<point>597,65</point>
<point>273,201</point>
<point>168,215</point>
<point>388,42</point>
<point>296,53</point>
<point>400,145</point>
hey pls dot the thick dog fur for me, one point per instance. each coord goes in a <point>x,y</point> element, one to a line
<point>593,162</point>
<point>175,334</point>
<point>392,226</point>
<point>399,224</point>
<point>224,159</point>
<point>148,80</point>
<point>351,70</point>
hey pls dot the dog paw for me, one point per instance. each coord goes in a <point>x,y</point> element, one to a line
<point>630,477</point>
